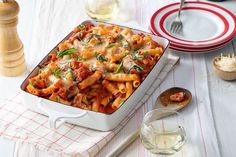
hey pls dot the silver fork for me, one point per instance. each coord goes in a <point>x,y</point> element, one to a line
<point>176,25</point>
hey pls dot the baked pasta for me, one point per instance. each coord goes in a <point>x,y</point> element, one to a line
<point>96,68</point>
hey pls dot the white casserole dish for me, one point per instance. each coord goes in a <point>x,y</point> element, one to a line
<point>90,119</point>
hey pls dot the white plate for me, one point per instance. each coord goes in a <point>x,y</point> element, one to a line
<point>198,50</point>
<point>204,24</point>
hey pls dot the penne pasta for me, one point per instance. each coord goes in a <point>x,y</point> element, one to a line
<point>55,97</point>
<point>126,31</point>
<point>121,87</point>
<point>30,88</point>
<point>87,54</point>
<point>106,100</point>
<point>90,80</point>
<point>129,89</point>
<point>110,66</point>
<point>95,104</point>
<point>156,51</point>
<point>96,68</point>
<point>118,101</point>
<point>47,91</point>
<point>136,83</point>
<point>122,77</point>
<point>110,87</point>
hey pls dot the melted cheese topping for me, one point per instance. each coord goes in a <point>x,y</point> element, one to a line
<point>97,68</point>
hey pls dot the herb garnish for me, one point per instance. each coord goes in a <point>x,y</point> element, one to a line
<point>32,83</point>
<point>118,70</point>
<point>137,67</point>
<point>81,26</point>
<point>69,71</point>
<point>137,57</point>
<point>111,45</point>
<point>57,72</point>
<point>84,43</point>
<point>73,74</point>
<point>124,44</point>
<point>66,52</point>
<point>98,43</point>
<point>96,35</point>
<point>136,49</point>
<point>81,59</point>
<point>101,57</point>
<point>93,35</point>
<point>120,37</point>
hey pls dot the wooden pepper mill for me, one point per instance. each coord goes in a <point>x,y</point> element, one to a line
<point>12,62</point>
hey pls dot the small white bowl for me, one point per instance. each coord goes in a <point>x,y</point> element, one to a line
<point>225,75</point>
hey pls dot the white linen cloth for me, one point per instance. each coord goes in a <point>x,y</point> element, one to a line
<point>54,19</point>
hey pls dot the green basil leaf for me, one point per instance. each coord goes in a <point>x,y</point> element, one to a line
<point>84,43</point>
<point>136,49</point>
<point>126,53</point>
<point>66,52</point>
<point>32,83</point>
<point>137,67</point>
<point>93,35</point>
<point>124,44</point>
<point>73,74</point>
<point>81,26</point>
<point>137,57</point>
<point>98,43</point>
<point>97,35</point>
<point>111,45</point>
<point>69,71</point>
<point>118,70</point>
<point>101,57</point>
<point>121,37</point>
<point>57,72</point>
<point>81,59</point>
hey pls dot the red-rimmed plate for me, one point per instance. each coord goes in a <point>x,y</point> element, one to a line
<point>204,24</point>
<point>200,49</point>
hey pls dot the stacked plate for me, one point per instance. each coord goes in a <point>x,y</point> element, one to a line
<point>206,26</point>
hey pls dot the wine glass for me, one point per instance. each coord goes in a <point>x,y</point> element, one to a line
<point>101,10</point>
<point>162,131</point>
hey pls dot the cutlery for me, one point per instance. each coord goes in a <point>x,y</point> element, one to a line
<point>162,101</point>
<point>177,25</point>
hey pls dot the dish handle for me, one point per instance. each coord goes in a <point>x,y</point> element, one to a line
<point>54,115</point>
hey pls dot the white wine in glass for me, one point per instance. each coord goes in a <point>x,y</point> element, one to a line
<point>162,132</point>
<point>101,10</point>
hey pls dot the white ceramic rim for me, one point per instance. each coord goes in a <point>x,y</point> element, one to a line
<point>155,24</point>
<point>198,50</point>
<point>202,50</point>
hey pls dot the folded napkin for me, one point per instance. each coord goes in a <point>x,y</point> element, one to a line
<point>31,129</point>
